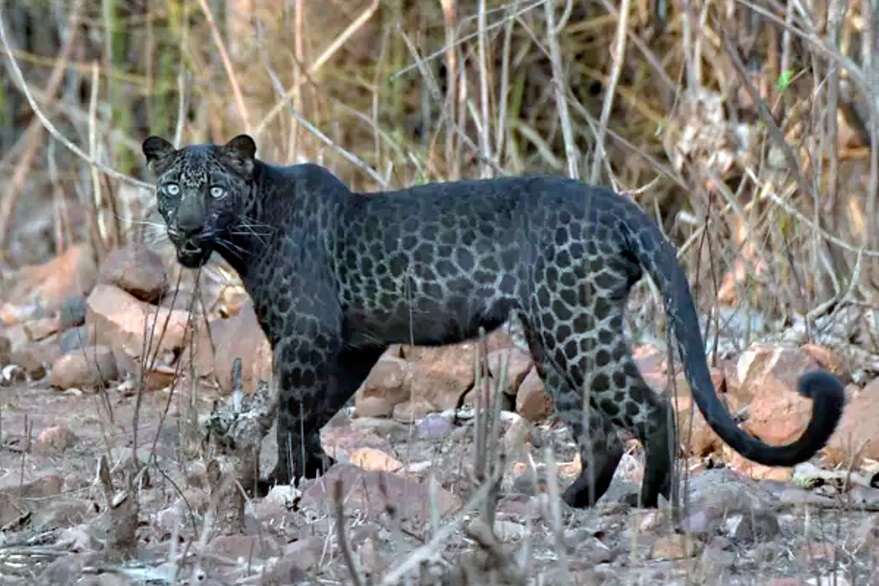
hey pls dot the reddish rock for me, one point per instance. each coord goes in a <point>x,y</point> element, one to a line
<point>373,459</point>
<point>825,357</point>
<point>441,375</point>
<point>754,470</point>
<point>386,386</point>
<point>694,433</point>
<point>488,389</point>
<point>17,337</point>
<point>71,273</point>
<point>118,320</point>
<point>498,340</point>
<point>87,367</point>
<point>239,336</point>
<point>373,406</point>
<point>55,440</point>
<point>338,442</point>
<point>518,365</point>
<point>231,301</point>
<point>40,329</point>
<point>672,547</point>
<point>778,414</point>
<point>857,436</point>
<point>372,492</point>
<point>412,411</point>
<point>35,358</point>
<point>136,270</point>
<point>532,402</point>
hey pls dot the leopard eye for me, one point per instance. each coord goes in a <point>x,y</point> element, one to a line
<point>172,188</point>
<point>217,192</point>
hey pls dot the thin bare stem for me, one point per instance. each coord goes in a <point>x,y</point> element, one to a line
<point>18,77</point>
<point>485,126</point>
<point>322,59</point>
<point>558,83</point>
<point>618,56</point>
<point>227,65</point>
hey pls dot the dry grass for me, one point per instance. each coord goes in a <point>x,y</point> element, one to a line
<point>716,118</point>
<point>749,129</point>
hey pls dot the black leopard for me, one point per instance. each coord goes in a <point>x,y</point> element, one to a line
<point>337,276</point>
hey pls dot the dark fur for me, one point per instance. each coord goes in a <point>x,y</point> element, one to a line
<point>337,276</point>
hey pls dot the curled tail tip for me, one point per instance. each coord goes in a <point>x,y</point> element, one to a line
<point>828,394</point>
<point>823,386</point>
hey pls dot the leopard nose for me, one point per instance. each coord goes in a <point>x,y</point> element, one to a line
<point>190,216</point>
<point>189,224</point>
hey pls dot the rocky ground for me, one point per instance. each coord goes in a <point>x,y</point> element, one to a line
<point>104,367</point>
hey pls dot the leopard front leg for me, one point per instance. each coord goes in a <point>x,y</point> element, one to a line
<point>303,368</point>
<point>302,414</point>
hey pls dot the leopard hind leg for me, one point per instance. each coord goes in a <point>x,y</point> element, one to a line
<point>598,443</point>
<point>591,353</point>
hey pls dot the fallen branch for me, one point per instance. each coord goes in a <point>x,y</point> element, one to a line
<point>235,431</point>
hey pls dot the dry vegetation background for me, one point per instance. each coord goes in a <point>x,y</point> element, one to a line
<point>747,128</point>
<point>744,127</point>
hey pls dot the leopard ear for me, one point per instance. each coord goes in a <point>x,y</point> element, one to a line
<point>155,149</point>
<point>240,153</point>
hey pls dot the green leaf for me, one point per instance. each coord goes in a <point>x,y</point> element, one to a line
<point>784,80</point>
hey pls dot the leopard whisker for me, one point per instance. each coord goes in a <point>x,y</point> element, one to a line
<point>238,251</point>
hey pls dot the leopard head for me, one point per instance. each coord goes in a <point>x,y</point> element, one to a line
<point>201,191</point>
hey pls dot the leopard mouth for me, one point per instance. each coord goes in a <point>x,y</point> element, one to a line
<point>193,254</point>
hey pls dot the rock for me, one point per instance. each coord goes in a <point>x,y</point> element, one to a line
<point>442,374</point>
<point>487,393</point>
<point>118,320</point>
<point>12,374</point>
<point>778,414</point>
<point>17,496</point>
<point>716,496</point>
<point>373,492</point>
<point>239,336</point>
<point>72,312</point>
<point>307,552</point>
<point>758,524</point>
<point>386,386</point>
<point>5,351</point>
<point>825,357</point>
<point>755,470</point>
<point>373,459</point>
<point>72,339</point>
<point>532,402</point>
<point>433,426</point>
<point>340,442</point>
<point>40,329</point>
<point>72,273</point>
<point>373,407</point>
<point>91,366</point>
<point>16,336</point>
<point>508,531</point>
<point>672,547</point>
<point>518,365</point>
<point>35,358</point>
<point>814,553</point>
<point>136,270</point>
<point>857,436</point>
<point>55,440</point>
<point>694,433</point>
<point>245,547</point>
<point>412,411</point>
